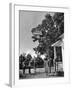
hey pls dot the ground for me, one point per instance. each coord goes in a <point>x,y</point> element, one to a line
<point>40,73</point>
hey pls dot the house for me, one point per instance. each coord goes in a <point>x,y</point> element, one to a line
<point>58,53</point>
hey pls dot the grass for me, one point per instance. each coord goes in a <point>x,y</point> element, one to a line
<point>41,75</point>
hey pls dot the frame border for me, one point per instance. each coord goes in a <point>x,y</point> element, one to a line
<point>12,40</point>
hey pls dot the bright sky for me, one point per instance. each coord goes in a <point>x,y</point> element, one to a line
<point>28,20</point>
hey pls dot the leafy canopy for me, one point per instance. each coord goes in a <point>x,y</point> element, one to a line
<point>48,31</point>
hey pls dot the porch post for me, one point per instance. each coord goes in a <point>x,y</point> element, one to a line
<point>54,52</point>
<point>62,57</point>
<point>55,57</point>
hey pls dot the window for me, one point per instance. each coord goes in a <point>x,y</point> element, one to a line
<point>59,54</point>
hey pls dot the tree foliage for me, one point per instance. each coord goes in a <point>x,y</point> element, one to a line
<point>22,59</point>
<point>26,61</point>
<point>47,32</point>
<point>39,63</point>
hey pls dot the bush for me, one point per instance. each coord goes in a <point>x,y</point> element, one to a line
<point>20,73</point>
<point>60,73</point>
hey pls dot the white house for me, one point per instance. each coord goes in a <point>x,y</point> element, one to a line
<point>59,52</point>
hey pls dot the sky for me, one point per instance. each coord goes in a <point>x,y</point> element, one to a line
<point>27,21</point>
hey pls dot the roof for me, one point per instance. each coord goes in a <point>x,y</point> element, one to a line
<point>61,36</point>
<point>59,42</point>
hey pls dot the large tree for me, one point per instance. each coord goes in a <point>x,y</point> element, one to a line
<point>22,59</point>
<point>48,32</point>
<point>28,61</point>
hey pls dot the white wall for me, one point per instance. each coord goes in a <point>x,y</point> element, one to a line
<point>4,40</point>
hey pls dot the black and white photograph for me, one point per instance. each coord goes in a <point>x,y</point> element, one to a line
<point>41,44</point>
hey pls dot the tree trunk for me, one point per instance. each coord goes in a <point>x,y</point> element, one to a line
<point>29,70</point>
<point>46,67</point>
<point>50,69</point>
<point>23,70</point>
<point>55,66</point>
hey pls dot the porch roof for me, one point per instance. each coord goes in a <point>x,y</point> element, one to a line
<point>59,42</point>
